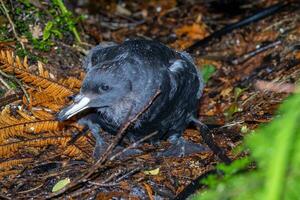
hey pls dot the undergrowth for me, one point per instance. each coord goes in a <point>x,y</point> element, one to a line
<point>41,26</point>
<point>274,149</point>
<point>27,127</point>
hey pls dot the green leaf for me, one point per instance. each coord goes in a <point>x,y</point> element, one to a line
<point>238,92</point>
<point>233,108</point>
<point>47,30</point>
<point>61,184</point>
<point>12,85</point>
<point>207,71</point>
<point>244,129</point>
<point>279,140</point>
<point>274,148</point>
<point>152,172</point>
<point>57,33</point>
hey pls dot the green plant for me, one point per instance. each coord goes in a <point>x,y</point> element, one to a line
<point>59,23</point>
<point>275,149</point>
<point>234,107</point>
<point>207,71</point>
<point>66,17</point>
<point>48,30</point>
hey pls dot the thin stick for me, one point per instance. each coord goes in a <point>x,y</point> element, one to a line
<point>134,145</point>
<point>250,54</point>
<point>65,11</point>
<point>84,178</point>
<point>4,83</point>
<point>133,171</point>
<point>105,184</point>
<point>2,196</point>
<point>17,81</point>
<point>116,183</point>
<point>112,176</point>
<point>242,23</point>
<point>12,24</point>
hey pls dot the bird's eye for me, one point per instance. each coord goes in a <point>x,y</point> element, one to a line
<point>104,87</point>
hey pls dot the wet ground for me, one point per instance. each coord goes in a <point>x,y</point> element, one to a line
<point>243,92</point>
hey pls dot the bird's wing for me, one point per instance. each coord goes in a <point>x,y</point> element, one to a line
<point>95,54</point>
<point>182,71</point>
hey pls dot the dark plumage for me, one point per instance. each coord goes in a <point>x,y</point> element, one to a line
<point>123,78</point>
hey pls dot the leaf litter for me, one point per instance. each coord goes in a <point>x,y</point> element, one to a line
<point>35,150</point>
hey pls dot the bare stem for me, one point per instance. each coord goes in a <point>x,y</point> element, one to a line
<point>12,24</point>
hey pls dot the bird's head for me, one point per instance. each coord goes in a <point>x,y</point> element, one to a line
<point>101,88</point>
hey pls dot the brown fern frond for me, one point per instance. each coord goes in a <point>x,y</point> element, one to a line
<point>82,149</point>
<point>74,151</point>
<point>13,65</point>
<point>40,99</point>
<point>9,173</point>
<point>53,107</point>
<point>26,129</point>
<point>12,127</point>
<point>7,150</point>
<point>42,114</point>
<point>72,82</point>
<point>12,163</point>
<point>26,132</point>
<point>42,72</point>
<point>25,115</point>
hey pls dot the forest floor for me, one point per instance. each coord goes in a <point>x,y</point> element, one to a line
<point>243,92</point>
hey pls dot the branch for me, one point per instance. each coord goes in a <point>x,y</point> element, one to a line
<point>12,24</point>
<point>244,22</point>
<point>17,81</point>
<point>84,178</point>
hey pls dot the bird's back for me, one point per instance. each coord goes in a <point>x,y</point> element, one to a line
<point>145,52</point>
<point>150,66</point>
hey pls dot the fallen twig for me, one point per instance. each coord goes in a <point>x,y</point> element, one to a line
<point>10,98</point>
<point>84,178</point>
<point>4,83</point>
<point>18,82</point>
<point>134,145</point>
<point>12,24</point>
<point>116,182</point>
<point>250,54</point>
<point>244,22</point>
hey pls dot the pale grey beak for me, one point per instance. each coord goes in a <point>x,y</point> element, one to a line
<point>80,103</point>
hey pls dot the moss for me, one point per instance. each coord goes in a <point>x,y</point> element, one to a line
<point>56,23</point>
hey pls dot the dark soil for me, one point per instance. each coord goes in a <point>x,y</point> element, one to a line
<point>234,101</point>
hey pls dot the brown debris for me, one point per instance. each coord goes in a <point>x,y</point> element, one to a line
<point>34,147</point>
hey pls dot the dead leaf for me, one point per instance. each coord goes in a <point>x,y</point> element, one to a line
<point>194,31</point>
<point>36,31</point>
<point>152,172</point>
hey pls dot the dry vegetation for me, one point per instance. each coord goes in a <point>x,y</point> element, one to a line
<point>35,149</point>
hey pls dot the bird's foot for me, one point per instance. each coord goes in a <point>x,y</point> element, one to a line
<point>181,148</point>
<point>99,150</point>
<point>126,152</point>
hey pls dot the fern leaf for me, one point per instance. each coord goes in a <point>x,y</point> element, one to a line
<point>26,125</point>
<point>9,173</point>
<point>7,150</point>
<point>25,129</point>
<point>10,64</point>
<point>12,163</point>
